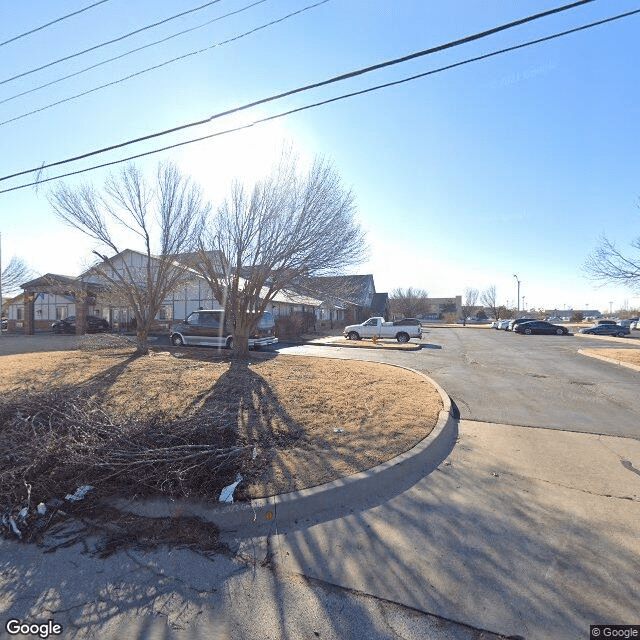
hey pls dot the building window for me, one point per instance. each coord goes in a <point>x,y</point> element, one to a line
<point>19,313</point>
<point>166,312</point>
<point>61,313</point>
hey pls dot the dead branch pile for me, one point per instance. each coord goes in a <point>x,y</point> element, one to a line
<point>57,441</point>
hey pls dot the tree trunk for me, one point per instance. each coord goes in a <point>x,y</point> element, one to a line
<point>142,341</point>
<point>241,341</point>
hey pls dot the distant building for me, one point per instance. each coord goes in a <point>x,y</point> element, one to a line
<point>438,307</point>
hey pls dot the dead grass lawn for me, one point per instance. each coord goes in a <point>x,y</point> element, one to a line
<point>311,420</point>
<point>632,356</point>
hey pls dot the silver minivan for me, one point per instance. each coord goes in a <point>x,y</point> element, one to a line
<point>211,328</point>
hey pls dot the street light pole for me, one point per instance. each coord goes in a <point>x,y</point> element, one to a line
<point>518,281</point>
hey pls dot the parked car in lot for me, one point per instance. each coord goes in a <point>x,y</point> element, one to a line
<point>540,327</point>
<point>408,321</point>
<point>606,330</point>
<point>514,323</point>
<point>93,324</point>
<point>635,325</point>
<point>212,328</point>
<point>503,324</point>
<point>401,330</point>
<point>628,322</point>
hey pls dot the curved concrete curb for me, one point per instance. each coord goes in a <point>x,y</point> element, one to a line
<point>416,347</point>
<point>629,365</point>
<point>324,502</point>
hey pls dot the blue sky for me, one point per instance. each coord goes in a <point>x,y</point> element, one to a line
<point>512,165</point>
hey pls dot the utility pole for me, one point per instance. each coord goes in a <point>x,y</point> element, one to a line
<point>518,300</point>
<point>0,284</point>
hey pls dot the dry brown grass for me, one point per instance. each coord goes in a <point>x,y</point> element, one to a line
<point>632,356</point>
<point>298,421</point>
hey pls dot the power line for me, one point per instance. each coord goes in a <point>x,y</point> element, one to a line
<point>345,76</point>
<point>104,44</point>
<point>44,26</point>
<point>162,64</point>
<point>328,101</point>
<point>127,53</point>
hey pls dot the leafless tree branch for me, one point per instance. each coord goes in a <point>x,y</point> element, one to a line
<point>607,264</point>
<point>409,303</point>
<point>164,222</point>
<point>17,272</point>
<point>284,231</point>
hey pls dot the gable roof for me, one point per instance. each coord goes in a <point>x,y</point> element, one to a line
<point>353,289</point>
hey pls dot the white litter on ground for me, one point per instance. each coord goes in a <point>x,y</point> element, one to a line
<point>80,493</point>
<point>226,495</point>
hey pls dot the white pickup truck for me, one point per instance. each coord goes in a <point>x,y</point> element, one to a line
<point>402,330</point>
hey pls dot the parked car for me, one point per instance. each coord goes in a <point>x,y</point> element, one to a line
<point>503,324</point>
<point>514,323</point>
<point>607,330</point>
<point>93,324</point>
<point>628,322</point>
<point>212,328</point>
<point>635,325</point>
<point>5,324</point>
<point>376,326</point>
<point>408,321</point>
<point>540,327</point>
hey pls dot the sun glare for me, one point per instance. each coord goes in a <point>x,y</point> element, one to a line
<point>246,155</point>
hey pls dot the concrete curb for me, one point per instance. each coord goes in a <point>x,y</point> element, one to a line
<point>629,365</point>
<point>412,347</point>
<point>324,502</point>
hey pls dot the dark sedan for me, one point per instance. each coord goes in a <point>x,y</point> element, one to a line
<point>607,330</point>
<point>540,327</point>
<point>93,324</point>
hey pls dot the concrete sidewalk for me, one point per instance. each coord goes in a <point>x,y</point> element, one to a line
<point>522,531</point>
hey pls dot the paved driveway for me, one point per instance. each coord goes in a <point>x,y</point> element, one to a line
<point>504,377</point>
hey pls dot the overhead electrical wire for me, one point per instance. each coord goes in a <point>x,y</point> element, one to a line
<point>345,76</point>
<point>104,44</point>
<point>324,102</point>
<point>128,53</point>
<point>60,19</point>
<point>163,64</point>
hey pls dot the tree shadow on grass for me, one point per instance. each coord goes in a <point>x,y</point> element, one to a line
<point>281,455</point>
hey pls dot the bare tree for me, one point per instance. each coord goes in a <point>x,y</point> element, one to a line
<point>488,299</point>
<point>14,274</point>
<point>163,220</point>
<point>285,231</point>
<point>607,264</point>
<point>470,303</point>
<point>409,302</point>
